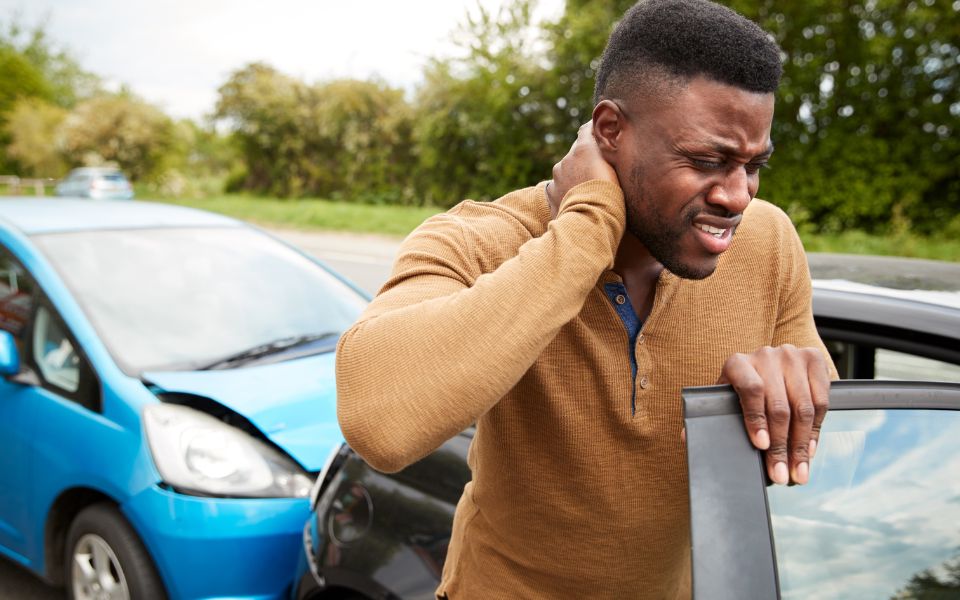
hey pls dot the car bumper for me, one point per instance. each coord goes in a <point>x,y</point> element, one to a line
<point>221,547</point>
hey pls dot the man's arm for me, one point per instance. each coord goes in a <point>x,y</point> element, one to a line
<point>436,351</point>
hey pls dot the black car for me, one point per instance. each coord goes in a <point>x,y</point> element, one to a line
<point>880,517</point>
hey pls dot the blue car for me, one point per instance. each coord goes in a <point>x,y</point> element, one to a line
<point>167,398</point>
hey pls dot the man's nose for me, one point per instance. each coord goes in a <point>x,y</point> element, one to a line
<point>733,193</point>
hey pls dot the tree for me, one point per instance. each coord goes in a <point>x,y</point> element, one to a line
<point>867,113</point>
<point>485,122</point>
<point>32,126</point>
<point>927,585</point>
<point>123,129</point>
<point>343,138</point>
<point>65,82</point>
<point>31,68</point>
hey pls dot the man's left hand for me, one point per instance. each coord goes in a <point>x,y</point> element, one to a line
<point>784,392</point>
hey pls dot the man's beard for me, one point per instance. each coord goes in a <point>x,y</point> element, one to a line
<point>660,236</point>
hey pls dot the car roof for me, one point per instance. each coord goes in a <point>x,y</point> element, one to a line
<point>34,216</point>
<point>912,294</point>
<point>96,170</point>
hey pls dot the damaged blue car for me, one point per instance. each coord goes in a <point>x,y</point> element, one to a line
<point>167,398</point>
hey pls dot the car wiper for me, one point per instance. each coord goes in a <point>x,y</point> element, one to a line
<point>261,350</point>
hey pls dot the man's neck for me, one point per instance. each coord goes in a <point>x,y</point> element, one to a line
<point>639,271</point>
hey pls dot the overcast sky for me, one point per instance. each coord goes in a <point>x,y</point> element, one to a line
<point>176,53</point>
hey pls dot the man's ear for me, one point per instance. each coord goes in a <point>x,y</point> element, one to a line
<point>608,128</point>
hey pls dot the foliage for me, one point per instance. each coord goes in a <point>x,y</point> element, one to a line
<point>336,138</point>
<point>576,41</point>
<point>122,129</point>
<point>32,126</point>
<point>868,111</point>
<point>485,121</point>
<point>927,585</point>
<point>314,213</point>
<point>65,82</point>
<point>33,69</point>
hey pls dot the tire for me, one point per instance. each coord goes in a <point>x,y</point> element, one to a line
<point>105,559</point>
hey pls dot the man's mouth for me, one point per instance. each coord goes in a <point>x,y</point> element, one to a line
<point>714,231</point>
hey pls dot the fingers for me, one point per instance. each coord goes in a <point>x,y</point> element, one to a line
<point>583,162</point>
<point>797,383</point>
<point>819,376</point>
<point>784,393</point>
<point>739,372</point>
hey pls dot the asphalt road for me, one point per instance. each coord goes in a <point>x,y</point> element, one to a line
<point>365,260</point>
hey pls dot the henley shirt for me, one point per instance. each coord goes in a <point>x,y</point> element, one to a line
<point>499,315</point>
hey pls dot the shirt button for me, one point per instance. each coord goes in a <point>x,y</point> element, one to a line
<point>644,382</point>
<point>640,338</point>
<point>620,299</point>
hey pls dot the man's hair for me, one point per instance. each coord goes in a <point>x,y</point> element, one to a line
<point>672,41</point>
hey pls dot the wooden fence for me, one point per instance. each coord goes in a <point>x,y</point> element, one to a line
<point>17,185</point>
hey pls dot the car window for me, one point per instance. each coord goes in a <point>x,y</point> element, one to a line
<point>16,297</point>
<point>867,361</point>
<point>54,354</point>
<point>881,512</point>
<point>900,365</point>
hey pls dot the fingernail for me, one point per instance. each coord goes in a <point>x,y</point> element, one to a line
<point>763,439</point>
<point>780,474</point>
<point>813,448</point>
<point>802,474</point>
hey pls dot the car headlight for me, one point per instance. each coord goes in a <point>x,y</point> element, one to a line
<point>196,452</point>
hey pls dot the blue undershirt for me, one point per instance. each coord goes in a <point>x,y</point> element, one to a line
<point>617,293</point>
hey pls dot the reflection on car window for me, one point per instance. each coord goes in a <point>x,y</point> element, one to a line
<point>16,296</point>
<point>54,353</point>
<point>882,506</point>
<point>898,365</point>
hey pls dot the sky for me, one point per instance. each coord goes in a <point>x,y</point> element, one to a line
<point>176,53</point>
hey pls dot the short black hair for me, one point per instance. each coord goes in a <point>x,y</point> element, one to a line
<point>663,41</point>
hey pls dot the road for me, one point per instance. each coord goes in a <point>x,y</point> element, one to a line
<point>364,259</point>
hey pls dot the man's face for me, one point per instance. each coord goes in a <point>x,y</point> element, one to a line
<point>689,167</point>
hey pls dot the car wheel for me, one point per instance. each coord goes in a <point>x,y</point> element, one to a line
<point>105,560</point>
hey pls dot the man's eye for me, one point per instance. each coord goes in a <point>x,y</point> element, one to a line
<point>755,167</point>
<point>707,164</point>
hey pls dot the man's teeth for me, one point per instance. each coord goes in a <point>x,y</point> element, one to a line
<point>716,232</point>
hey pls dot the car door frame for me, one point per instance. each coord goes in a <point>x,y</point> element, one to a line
<point>732,544</point>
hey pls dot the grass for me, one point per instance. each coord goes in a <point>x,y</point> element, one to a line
<point>899,244</point>
<point>389,220</point>
<point>398,221</point>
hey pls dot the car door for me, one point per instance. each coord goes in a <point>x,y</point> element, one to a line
<point>44,410</point>
<point>880,517</point>
<point>17,419</point>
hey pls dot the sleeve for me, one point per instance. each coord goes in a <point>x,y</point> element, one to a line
<point>795,324</point>
<point>442,344</point>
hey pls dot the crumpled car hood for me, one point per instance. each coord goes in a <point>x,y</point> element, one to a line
<point>293,402</point>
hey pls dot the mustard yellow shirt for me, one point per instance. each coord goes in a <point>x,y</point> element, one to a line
<point>496,314</point>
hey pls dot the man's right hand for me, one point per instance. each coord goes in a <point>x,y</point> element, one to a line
<point>582,163</point>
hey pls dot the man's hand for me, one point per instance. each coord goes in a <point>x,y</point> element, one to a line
<point>582,163</point>
<point>784,392</point>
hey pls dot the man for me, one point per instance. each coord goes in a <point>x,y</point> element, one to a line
<point>565,318</point>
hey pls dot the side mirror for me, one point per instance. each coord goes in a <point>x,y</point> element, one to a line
<point>9,357</point>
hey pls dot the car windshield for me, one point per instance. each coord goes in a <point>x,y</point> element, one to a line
<point>179,299</point>
<point>116,177</point>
